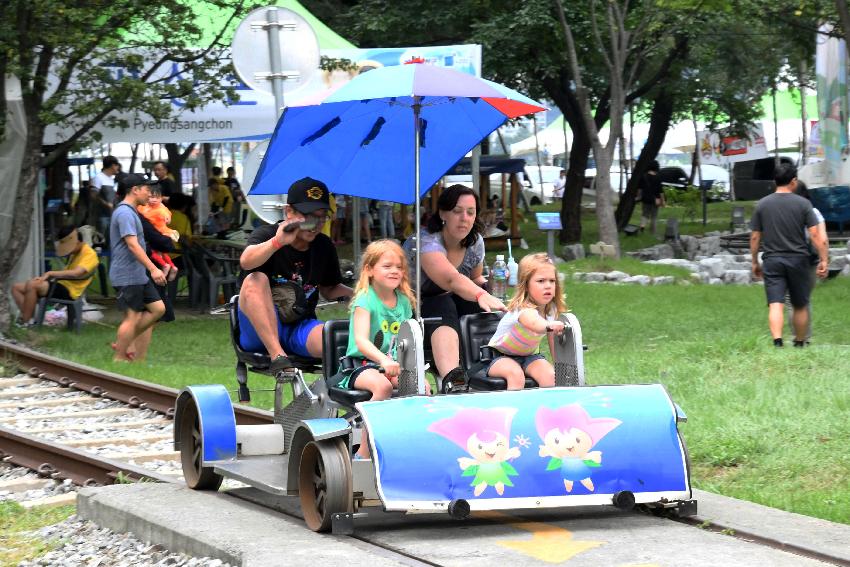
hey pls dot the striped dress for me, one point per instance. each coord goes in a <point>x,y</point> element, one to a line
<point>515,339</point>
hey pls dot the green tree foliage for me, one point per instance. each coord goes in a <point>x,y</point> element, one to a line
<point>714,59</point>
<point>79,62</point>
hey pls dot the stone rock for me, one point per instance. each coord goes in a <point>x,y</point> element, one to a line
<point>690,244</point>
<point>656,252</point>
<point>677,262</point>
<point>594,277</point>
<point>663,280</point>
<point>713,266</point>
<point>616,276</point>
<point>715,281</point>
<point>578,276</point>
<point>709,246</point>
<point>737,277</point>
<point>640,280</point>
<point>838,262</point>
<point>845,271</point>
<point>572,252</point>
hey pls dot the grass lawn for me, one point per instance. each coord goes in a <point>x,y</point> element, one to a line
<point>767,425</point>
<point>16,525</point>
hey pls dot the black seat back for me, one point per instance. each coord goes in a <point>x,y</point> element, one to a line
<point>234,322</point>
<point>334,345</point>
<point>476,330</point>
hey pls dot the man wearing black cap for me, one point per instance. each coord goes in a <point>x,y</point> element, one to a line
<point>294,251</point>
<point>128,271</point>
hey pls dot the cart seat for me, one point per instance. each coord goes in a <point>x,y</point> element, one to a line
<point>259,361</point>
<point>334,345</point>
<point>476,330</point>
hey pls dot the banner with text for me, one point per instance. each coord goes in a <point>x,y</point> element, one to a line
<point>252,117</point>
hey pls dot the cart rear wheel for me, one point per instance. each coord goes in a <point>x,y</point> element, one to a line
<point>191,453</point>
<point>324,482</point>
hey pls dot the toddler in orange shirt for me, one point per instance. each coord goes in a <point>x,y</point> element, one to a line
<point>159,216</point>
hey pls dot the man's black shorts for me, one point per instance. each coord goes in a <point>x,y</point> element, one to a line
<point>791,273</point>
<point>135,297</point>
<point>61,292</point>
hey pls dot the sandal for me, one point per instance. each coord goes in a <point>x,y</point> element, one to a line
<point>455,381</point>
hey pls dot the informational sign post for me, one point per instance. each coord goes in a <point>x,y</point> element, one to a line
<point>549,223</point>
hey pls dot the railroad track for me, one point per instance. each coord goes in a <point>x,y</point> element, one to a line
<point>72,425</point>
<point>64,425</point>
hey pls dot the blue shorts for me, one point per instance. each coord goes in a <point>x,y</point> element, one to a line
<point>523,361</point>
<point>293,337</point>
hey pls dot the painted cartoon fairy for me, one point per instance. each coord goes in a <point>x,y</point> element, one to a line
<point>568,434</point>
<point>485,434</point>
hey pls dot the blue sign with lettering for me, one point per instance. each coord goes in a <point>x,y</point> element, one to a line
<point>548,221</point>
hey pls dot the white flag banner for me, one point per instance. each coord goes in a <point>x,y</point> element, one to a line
<point>722,148</point>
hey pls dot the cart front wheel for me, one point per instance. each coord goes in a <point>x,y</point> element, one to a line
<point>324,482</point>
<point>191,453</point>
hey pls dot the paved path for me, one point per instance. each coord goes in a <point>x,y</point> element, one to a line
<point>241,532</point>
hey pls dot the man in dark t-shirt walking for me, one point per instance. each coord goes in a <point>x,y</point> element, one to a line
<point>294,250</point>
<point>779,225</point>
<point>651,197</point>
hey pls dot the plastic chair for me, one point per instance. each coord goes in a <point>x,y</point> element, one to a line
<point>476,330</point>
<point>211,272</point>
<point>75,306</point>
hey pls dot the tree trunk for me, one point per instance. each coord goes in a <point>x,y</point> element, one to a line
<point>571,204</point>
<point>176,159</point>
<point>134,150</point>
<point>13,249</point>
<point>662,115</point>
<point>604,193</point>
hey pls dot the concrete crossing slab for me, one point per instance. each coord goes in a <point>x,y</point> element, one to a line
<point>231,526</point>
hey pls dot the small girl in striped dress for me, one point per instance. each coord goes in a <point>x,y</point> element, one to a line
<point>532,314</point>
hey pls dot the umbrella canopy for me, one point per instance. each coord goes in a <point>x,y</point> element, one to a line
<point>359,138</point>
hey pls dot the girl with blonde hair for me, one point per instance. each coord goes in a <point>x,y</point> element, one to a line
<point>532,314</point>
<point>382,301</point>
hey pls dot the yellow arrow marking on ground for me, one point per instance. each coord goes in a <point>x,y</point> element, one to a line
<point>548,543</point>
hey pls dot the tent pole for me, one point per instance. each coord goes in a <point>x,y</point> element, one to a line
<point>417,106</point>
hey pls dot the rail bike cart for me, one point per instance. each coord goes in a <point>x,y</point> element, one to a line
<point>571,445</point>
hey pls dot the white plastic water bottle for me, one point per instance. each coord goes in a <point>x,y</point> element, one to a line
<point>513,271</point>
<point>500,278</point>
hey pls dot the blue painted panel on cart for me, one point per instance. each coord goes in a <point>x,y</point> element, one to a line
<point>218,423</point>
<point>532,443</point>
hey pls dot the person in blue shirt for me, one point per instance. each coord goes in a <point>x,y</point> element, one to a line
<point>128,271</point>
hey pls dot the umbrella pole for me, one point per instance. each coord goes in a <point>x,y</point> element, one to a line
<point>417,106</point>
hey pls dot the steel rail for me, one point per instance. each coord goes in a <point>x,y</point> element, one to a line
<point>133,392</point>
<point>55,460</point>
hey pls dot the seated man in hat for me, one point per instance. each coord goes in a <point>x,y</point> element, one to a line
<point>292,254</point>
<point>82,260</point>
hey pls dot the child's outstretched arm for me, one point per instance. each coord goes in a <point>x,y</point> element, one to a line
<point>362,320</point>
<point>532,320</point>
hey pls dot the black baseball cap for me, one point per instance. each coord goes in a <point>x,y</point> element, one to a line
<point>133,180</point>
<point>307,195</point>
